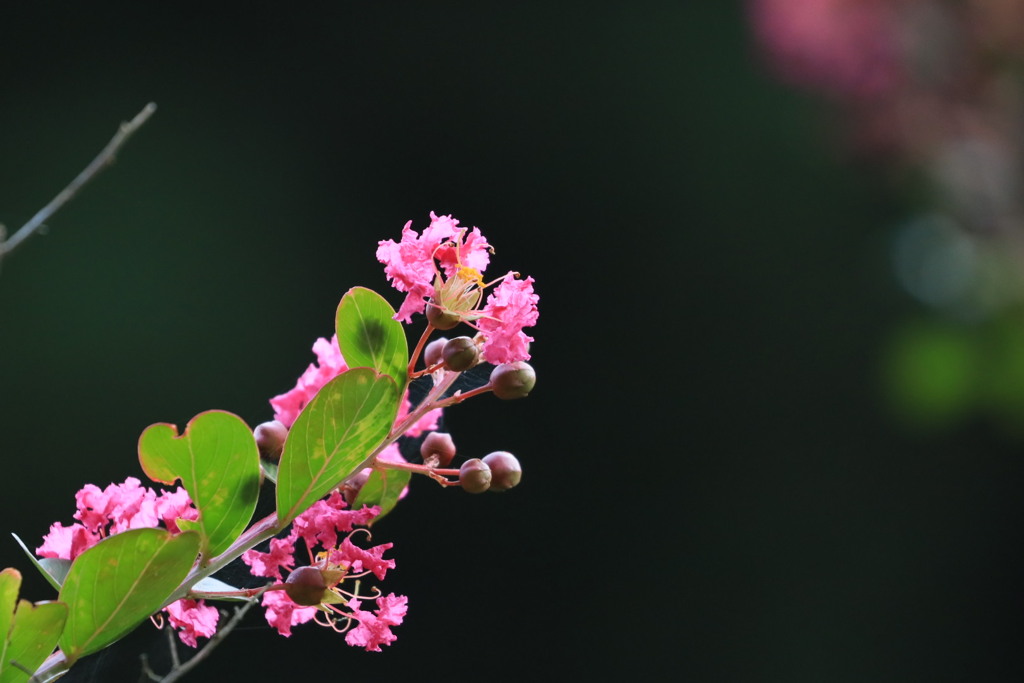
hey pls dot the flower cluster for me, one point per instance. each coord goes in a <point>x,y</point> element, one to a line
<point>319,527</point>
<point>441,272</point>
<point>129,505</point>
<point>117,508</point>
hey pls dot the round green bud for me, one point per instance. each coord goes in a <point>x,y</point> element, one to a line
<point>475,476</point>
<point>505,470</point>
<point>441,319</point>
<point>513,380</point>
<point>432,354</point>
<point>438,444</point>
<point>270,438</point>
<point>305,586</point>
<point>460,354</point>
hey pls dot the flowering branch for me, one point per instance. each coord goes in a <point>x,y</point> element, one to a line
<point>332,454</point>
<point>105,158</point>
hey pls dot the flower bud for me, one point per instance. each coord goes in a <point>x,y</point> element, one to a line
<point>305,586</point>
<point>441,319</point>
<point>475,476</point>
<point>505,470</point>
<point>270,438</point>
<point>351,487</point>
<point>513,380</point>
<point>438,444</point>
<point>432,354</point>
<point>460,354</point>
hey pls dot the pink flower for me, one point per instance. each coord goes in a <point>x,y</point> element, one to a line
<point>282,554</point>
<point>282,613</point>
<point>194,619</point>
<point>171,506</point>
<point>329,365</point>
<point>510,307</point>
<point>67,542</point>
<point>849,48</point>
<point>359,560</point>
<point>117,508</point>
<point>412,264</point>
<point>125,506</point>
<point>415,264</point>
<point>374,629</point>
<point>320,524</point>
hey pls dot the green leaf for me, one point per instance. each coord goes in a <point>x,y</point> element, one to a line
<point>349,417</point>
<point>34,636</point>
<point>10,582</point>
<point>53,569</point>
<point>219,465</point>
<point>370,337</point>
<point>28,633</point>
<point>269,470</point>
<point>117,583</point>
<point>382,488</point>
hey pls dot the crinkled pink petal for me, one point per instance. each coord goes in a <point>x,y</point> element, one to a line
<point>321,523</point>
<point>374,630</point>
<point>194,619</point>
<point>282,553</point>
<point>410,262</point>
<point>361,560</point>
<point>441,228</point>
<point>67,542</point>
<point>329,365</point>
<point>171,506</point>
<point>415,302</point>
<point>128,505</point>
<point>510,307</point>
<point>392,608</point>
<point>410,265</point>
<point>92,504</point>
<point>282,613</point>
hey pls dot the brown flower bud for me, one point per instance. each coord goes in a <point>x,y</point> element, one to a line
<point>438,444</point>
<point>270,437</point>
<point>441,319</point>
<point>432,354</point>
<point>351,487</point>
<point>505,470</point>
<point>513,380</point>
<point>460,354</point>
<point>305,586</point>
<point>475,476</point>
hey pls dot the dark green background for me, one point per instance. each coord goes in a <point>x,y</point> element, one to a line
<point>712,486</point>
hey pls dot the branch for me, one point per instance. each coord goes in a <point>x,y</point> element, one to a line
<point>180,670</point>
<point>104,159</point>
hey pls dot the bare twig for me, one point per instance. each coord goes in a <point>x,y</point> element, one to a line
<point>180,669</point>
<point>104,159</point>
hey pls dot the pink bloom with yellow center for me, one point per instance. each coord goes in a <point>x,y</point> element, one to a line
<point>412,264</point>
